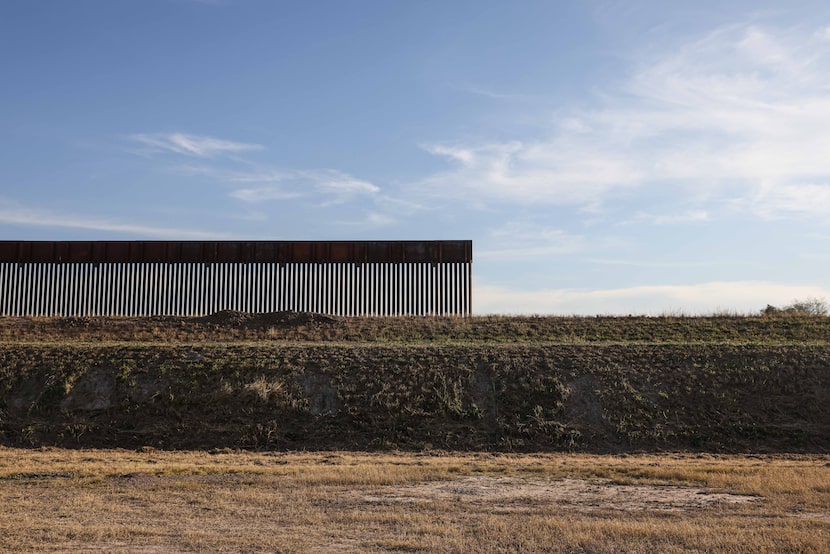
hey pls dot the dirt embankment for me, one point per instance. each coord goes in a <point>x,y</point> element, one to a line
<point>523,395</point>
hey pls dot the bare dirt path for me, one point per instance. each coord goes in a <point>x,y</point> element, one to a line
<point>512,493</point>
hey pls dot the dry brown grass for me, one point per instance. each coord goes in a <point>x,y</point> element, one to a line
<point>306,327</point>
<point>154,501</point>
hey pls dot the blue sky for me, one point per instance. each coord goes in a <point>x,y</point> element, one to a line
<point>606,157</point>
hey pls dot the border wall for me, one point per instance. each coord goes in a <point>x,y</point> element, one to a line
<point>192,278</point>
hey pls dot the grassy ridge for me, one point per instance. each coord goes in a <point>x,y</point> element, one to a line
<point>287,326</point>
<point>414,395</point>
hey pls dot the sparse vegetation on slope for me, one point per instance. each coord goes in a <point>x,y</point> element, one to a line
<point>299,381</point>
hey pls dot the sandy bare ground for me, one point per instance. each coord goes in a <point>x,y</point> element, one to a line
<point>517,494</point>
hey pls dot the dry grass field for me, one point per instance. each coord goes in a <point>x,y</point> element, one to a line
<point>236,501</point>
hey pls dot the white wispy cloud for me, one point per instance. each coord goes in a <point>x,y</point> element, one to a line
<point>379,219</point>
<point>491,93</point>
<point>523,239</point>
<point>191,145</point>
<point>400,206</point>
<point>690,216</point>
<point>262,194</point>
<point>740,115</point>
<point>785,199</point>
<point>555,172</point>
<point>327,185</point>
<point>466,156</point>
<point>14,214</point>
<point>321,187</point>
<point>647,263</point>
<point>369,219</point>
<point>694,299</point>
<point>341,183</point>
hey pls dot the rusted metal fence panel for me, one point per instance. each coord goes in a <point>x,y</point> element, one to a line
<point>142,278</point>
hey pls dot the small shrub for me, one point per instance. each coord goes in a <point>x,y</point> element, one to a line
<point>808,307</point>
<point>262,388</point>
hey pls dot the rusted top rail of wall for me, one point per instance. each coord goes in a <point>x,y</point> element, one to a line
<point>443,251</point>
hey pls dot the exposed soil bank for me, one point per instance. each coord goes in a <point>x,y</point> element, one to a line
<point>591,397</point>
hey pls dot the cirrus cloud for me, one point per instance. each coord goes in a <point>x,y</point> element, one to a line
<point>191,145</point>
<point>740,116</point>
<point>329,185</point>
<point>13,213</point>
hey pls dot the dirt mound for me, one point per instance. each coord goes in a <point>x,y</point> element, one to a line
<point>232,318</point>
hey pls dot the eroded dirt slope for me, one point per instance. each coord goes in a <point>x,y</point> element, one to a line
<point>297,381</point>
